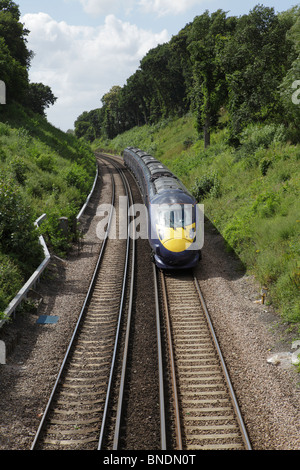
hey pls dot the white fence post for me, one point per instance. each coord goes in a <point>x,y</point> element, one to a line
<point>2,92</point>
<point>2,353</point>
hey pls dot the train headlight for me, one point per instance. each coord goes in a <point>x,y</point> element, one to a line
<point>161,233</point>
<point>192,234</point>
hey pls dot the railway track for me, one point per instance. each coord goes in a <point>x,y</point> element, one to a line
<point>76,413</point>
<point>86,406</point>
<point>207,415</point>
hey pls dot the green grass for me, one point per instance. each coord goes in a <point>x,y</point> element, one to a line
<point>42,170</point>
<point>251,195</point>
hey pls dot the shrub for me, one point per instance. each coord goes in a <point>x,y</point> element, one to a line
<point>264,166</point>
<point>19,168</point>
<point>4,129</point>
<point>45,162</point>
<point>188,142</point>
<point>255,136</point>
<point>10,281</point>
<point>207,185</point>
<point>17,232</point>
<point>77,176</point>
<point>266,204</point>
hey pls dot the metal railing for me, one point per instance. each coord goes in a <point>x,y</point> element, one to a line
<point>22,294</point>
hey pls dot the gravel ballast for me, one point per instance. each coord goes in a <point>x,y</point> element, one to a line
<point>248,333</point>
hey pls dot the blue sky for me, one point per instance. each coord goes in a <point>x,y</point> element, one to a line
<point>84,47</point>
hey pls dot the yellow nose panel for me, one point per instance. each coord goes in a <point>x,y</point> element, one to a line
<point>177,244</point>
<point>178,239</point>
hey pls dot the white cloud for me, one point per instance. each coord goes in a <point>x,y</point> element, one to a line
<point>159,7</point>
<point>82,63</point>
<point>98,7</point>
<point>167,7</point>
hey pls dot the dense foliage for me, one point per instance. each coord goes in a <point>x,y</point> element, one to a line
<point>246,65</point>
<point>15,62</point>
<point>250,195</point>
<point>42,169</point>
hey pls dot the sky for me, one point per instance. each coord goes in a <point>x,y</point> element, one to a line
<point>85,47</point>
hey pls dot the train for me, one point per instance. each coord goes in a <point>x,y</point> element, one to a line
<point>174,222</point>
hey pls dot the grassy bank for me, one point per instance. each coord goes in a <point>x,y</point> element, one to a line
<point>251,195</point>
<point>42,169</point>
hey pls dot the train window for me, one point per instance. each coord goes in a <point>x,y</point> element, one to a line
<point>175,215</point>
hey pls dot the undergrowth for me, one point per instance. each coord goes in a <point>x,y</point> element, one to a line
<point>250,194</point>
<point>42,170</point>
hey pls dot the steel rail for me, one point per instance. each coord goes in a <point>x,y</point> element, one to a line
<point>160,365</point>
<point>110,383</point>
<point>172,364</point>
<point>160,368</point>
<point>126,346</point>
<point>87,298</point>
<point>225,371</point>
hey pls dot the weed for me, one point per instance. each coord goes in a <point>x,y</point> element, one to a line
<point>264,166</point>
<point>258,207</point>
<point>207,186</point>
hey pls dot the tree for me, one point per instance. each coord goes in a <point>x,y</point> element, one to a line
<point>206,37</point>
<point>112,120</point>
<point>39,98</point>
<point>14,33</point>
<point>14,55</point>
<point>13,74</point>
<point>133,100</point>
<point>255,59</point>
<point>289,88</point>
<point>164,82</point>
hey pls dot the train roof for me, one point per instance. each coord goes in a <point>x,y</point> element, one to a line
<point>158,169</point>
<point>160,178</point>
<point>164,183</point>
<point>149,159</point>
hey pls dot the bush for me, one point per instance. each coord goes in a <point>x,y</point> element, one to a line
<point>206,186</point>
<point>266,204</point>
<point>19,168</point>
<point>45,162</point>
<point>18,235</point>
<point>256,136</point>
<point>10,281</point>
<point>77,176</point>
<point>264,166</point>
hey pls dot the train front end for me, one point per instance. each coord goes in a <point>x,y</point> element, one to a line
<point>176,231</point>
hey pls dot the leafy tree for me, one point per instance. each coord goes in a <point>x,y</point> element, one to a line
<point>133,100</point>
<point>13,74</point>
<point>255,59</point>
<point>39,97</point>
<point>210,88</point>
<point>89,124</point>
<point>164,82</point>
<point>179,47</point>
<point>112,122</point>
<point>214,62</point>
<point>14,33</point>
<point>290,85</point>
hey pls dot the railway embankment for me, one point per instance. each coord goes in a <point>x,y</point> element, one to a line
<point>250,195</point>
<point>42,170</point>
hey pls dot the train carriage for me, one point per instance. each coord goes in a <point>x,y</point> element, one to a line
<point>173,217</point>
